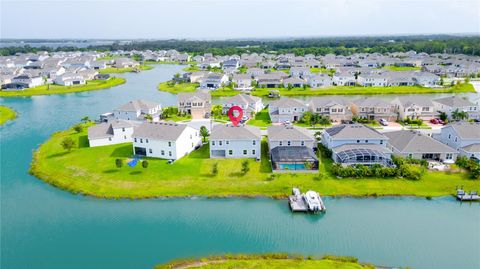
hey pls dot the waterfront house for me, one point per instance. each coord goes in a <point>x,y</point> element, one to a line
<point>300,72</point>
<point>426,79</point>
<point>335,107</point>
<point>286,109</point>
<point>270,80</point>
<point>399,78</point>
<point>242,82</point>
<point>414,145</point>
<point>319,81</point>
<point>418,107</point>
<point>255,72</point>
<point>231,64</point>
<point>24,81</point>
<point>373,108</point>
<point>213,81</point>
<point>198,104</point>
<point>111,133</point>
<point>96,65</point>
<point>357,144</point>
<point>137,110</point>
<point>242,141</point>
<point>344,79</point>
<point>462,136</point>
<point>166,140</point>
<point>291,148</point>
<point>69,79</point>
<point>453,103</point>
<point>249,104</point>
<point>372,79</point>
<point>196,76</point>
<point>294,82</point>
<point>125,63</point>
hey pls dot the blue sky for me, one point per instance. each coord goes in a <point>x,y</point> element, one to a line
<point>220,19</point>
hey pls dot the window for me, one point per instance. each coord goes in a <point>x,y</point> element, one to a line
<point>109,139</point>
<point>213,143</point>
<point>280,143</point>
<point>190,136</point>
<point>366,141</point>
<point>123,129</point>
<point>169,144</point>
<point>358,141</point>
<point>254,142</point>
<point>381,142</point>
<point>410,155</point>
<point>141,140</point>
<point>150,150</point>
<point>449,136</point>
<point>253,151</point>
<point>302,143</point>
<point>146,140</point>
<point>162,152</point>
<point>230,152</point>
<point>244,152</point>
<point>227,142</point>
<point>456,139</point>
<point>125,137</point>
<point>169,153</point>
<point>220,142</point>
<point>449,156</point>
<point>425,109</point>
<point>135,139</point>
<point>288,143</point>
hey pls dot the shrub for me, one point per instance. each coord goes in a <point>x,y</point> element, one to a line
<point>67,143</point>
<point>145,164</point>
<point>245,167</point>
<point>214,169</point>
<point>118,163</point>
<point>78,128</point>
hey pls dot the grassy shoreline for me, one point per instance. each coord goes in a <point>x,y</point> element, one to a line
<point>191,176</point>
<point>114,70</point>
<point>92,85</point>
<point>336,90</point>
<point>6,114</point>
<point>268,260</point>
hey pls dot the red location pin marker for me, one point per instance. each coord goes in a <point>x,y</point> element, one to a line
<point>235,119</point>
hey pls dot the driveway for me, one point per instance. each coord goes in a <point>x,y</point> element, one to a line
<point>199,123</point>
<point>476,85</point>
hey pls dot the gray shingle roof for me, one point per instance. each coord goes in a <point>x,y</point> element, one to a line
<point>371,102</point>
<point>454,101</point>
<point>408,141</point>
<point>283,132</point>
<point>241,99</point>
<point>472,148</point>
<point>202,95</point>
<point>415,100</point>
<point>136,105</point>
<point>104,130</point>
<point>466,130</point>
<point>287,102</point>
<point>235,133</point>
<point>316,102</point>
<point>354,131</point>
<point>169,131</point>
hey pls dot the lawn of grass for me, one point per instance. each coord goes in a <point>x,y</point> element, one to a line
<point>110,70</point>
<point>92,171</point>
<point>335,90</point>
<point>58,89</point>
<point>261,119</point>
<point>268,261</point>
<point>401,68</point>
<point>6,114</point>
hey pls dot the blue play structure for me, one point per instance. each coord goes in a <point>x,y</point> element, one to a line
<point>133,162</point>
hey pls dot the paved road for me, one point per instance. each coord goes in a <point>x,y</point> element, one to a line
<point>476,85</point>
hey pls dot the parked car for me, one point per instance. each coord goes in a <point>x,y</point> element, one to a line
<point>434,121</point>
<point>384,122</point>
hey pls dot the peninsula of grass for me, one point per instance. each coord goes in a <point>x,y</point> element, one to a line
<point>6,114</point>
<point>268,261</point>
<point>111,70</point>
<point>334,90</point>
<point>91,85</point>
<point>92,171</point>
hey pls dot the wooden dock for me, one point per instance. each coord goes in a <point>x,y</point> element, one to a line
<point>465,196</point>
<point>300,203</point>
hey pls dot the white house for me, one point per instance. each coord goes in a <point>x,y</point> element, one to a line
<point>249,104</point>
<point>213,81</point>
<point>137,110</point>
<point>452,103</point>
<point>24,81</point>
<point>166,140</point>
<point>344,79</point>
<point>372,79</point>
<point>462,136</point>
<point>286,109</point>
<point>110,133</point>
<point>243,82</point>
<point>418,107</point>
<point>228,141</point>
<point>319,81</point>
<point>69,79</point>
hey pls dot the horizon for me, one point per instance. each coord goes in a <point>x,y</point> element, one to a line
<point>234,19</point>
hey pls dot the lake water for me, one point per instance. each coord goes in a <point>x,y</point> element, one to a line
<point>44,227</point>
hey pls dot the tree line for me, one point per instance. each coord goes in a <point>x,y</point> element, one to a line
<point>469,45</point>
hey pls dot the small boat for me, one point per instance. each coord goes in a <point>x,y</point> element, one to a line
<point>313,201</point>
<point>307,202</point>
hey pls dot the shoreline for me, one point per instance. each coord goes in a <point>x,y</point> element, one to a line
<point>107,84</point>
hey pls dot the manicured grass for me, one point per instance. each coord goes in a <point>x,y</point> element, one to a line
<point>268,261</point>
<point>178,118</point>
<point>335,90</point>
<point>6,114</point>
<point>177,88</point>
<point>110,70</point>
<point>261,119</point>
<point>401,68</point>
<point>306,125</point>
<point>58,89</point>
<point>92,171</point>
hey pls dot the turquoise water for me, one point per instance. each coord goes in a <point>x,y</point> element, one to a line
<point>292,166</point>
<point>44,227</point>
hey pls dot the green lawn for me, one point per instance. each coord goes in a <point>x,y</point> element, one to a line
<point>266,261</point>
<point>58,89</point>
<point>335,90</point>
<point>92,171</point>
<point>401,68</point>
<point>6,114</point>
<point>261,119</point>
<point>110,70</point>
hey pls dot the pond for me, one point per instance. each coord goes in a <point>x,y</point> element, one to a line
<point>44,227</point>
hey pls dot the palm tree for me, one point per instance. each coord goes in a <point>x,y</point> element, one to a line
<point>149,117</point>
<point>85,119</point>
<point>459,115</point>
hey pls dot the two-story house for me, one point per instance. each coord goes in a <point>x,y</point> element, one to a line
<point>213,81</point>
<point>374,109</point>
<point>110,133</point>
<point>455,103</point>
<point>137,110</point>
<point>418,107</point>
<point>249,104</point>
<point>462,136</point>
<point>198,104</point>
<point>242,141</point>
<point>286,109</point>
<point>336,108</point>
